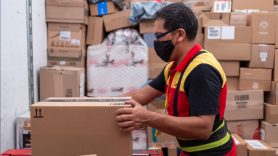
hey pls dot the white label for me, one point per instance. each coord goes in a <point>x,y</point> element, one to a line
<point>236,141</point>
<point>62,63</point>
<point>222,6</point>
<point>75,42</point>
<point>263,56</point>
<point>262,134</point>
<point>65,35</point>
<point>82,84</point>
<point>214,32</point>
<point>256,144</point>
<point>228,33</point>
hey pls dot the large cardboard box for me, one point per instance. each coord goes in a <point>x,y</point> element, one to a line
<point>263,27</point>
<point>262,56</point>
<point>229,51</point>
<point>67,11</point>
<point>232,83</point>
<point>238,19</point>
<point>244,105</point>
<point>163,139</point>
<point>255,79</point>
<point>66,40</point>
<point>66,61</point>
<point>272,96</point>
<point>228,34</point>
<point>275,71</point>
<point>117,20</point>
<point>60,81</point>
<point>215,19</point>
<point>102,8</point>
<point>248,129</point>
<point>265,5</point>
<point>259,148</point>
<point>95,33</point>
<point>146,26</point>
<point>276,44</point>
<point>231,68</point>
<point>269,133</point>
<point>241,145</point>
<point>79,126</point>
<point>271,113</point>
<point>156,65</point>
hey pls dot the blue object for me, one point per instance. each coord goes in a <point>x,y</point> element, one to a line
<point>102,8</point>
<point>149,38</point>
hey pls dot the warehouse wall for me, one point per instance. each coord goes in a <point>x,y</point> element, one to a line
<point>14,62</point>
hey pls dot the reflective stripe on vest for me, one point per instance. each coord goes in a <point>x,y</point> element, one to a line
<point>218,137</point>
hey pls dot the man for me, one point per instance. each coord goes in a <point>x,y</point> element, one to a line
<point>195,87</point>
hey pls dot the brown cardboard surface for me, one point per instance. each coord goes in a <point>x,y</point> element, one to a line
<point>248,129</point>
<point>255,74</point>
<point>110,6</point>
<point>66,61</point>
<point>264,85</point>
<point>146,26</point>
<point>262,56</point>
<point>72,127</point>
<point>61,82</point>
<point>66,40</point>
<point>229,51</point>
<point>95,33</point>
<point>271,113</point>
<point>272,96</point>
<point>232,83</point>
<point>215,19</point>
<point>269,133</point>
<point>231,68</point>
<point>244,105</point>
<point>276,43</point>
<point>263,27</point>
<point>117,20</point>
<point>275,71</point>
<point>259,148</point>
<point>241,34</point>
<point>238,19</point>
<point>253,5</point>
<point>156,65</point>
<point>67,11</point>
<point>241,145</point>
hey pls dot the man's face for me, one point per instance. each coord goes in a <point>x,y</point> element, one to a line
<point>159,29</point>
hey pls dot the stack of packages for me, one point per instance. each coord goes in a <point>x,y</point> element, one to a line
<point>66,51</point>
<point>242,36</point>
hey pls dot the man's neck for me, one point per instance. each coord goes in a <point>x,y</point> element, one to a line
<point>183,49</point>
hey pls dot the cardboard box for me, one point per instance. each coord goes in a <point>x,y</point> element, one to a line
<point>221,6</point>
<point>18,152</point>
<point>241,145</point>
<point>66,61</point>
<point>262,56</point>
<point>269,133</point>
<point>238,19</point>
<point>23,131</point>
<point>263,27</point>
<point>228,34</point>
<point>66,40</point>
<point>232,83</point>
<point>255,79</point>
<point>253,5</point>
<point>271,113</point>
<point>276,43</point>
<point>102,8</point>
<point>156,65</point>
<point>215,19</point>
<point>79,126</point>
<point>117,20</point>
<point>163,139</point>
<point>248,129</point>
<point>67,11</point>
<point>95,33</point>
<point>244,105</point>
<point>275,71</point>
<point>61,82</point>
<point>231,68</point>
<point>272,96</point>
<point>146,26</point>
<point>229,51</point>
<point>259,148</point>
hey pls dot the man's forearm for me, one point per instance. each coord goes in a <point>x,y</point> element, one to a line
<point>181,127</point>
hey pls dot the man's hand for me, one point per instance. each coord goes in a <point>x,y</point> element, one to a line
<point>132,118</point>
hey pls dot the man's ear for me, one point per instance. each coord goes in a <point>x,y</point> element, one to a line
<point>182,35</point>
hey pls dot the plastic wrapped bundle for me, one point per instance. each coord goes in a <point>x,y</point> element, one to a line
<point>118,65</point>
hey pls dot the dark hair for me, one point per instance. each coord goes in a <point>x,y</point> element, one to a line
<point>177,15</point>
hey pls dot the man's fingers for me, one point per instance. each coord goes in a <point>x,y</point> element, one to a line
<point>126,124</point>
<point>128,129</point>
<point>124,111</point>
<point>131,102</point>
<point>124,117</point>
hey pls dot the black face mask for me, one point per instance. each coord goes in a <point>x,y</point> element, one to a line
<point>164,49</point>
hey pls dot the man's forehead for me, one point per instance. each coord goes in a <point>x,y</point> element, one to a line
<point>159,25</point>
